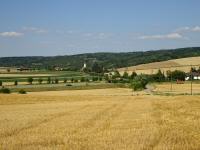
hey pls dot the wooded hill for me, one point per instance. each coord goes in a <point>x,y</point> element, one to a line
<point>107,60</point>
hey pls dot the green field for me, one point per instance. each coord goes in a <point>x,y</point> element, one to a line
<point>22,77</point>
<point>64,81</point>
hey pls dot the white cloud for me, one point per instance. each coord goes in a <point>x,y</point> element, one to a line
<point>188,29</point>
<point>102,35</point>
<point>166,36</point>
<point>34,29</point>
<point>11,34</point>
<point>98,36</point>
<point>183,29</point>
<point>197,28</point>
<point>88,34</point>
<point>71,31</point>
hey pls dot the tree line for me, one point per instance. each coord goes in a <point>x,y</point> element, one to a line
<point>104,60</point>
<point>138,82</point>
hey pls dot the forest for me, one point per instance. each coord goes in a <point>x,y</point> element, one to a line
<point>107,60</point>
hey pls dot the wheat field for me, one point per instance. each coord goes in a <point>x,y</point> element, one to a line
<point>99,120</point>
<point>177,88</point>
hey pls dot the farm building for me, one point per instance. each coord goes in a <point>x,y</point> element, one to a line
<point>194,75</point>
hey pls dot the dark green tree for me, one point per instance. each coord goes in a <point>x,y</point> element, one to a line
<point>97,68</point>
<point>139,83</point>
<point>30,80</point>
<point>133,75</point>
<point>125,75</point>
<point>40,80</point>
<point>65,80</point>
<point>82,79</point>
<point>159,76</point>
<point>56,81</point>
<point>94,78</point>
<point>48,80</point>
<point>15,82</point>
<point>116,74</point>
<point>178,75</point>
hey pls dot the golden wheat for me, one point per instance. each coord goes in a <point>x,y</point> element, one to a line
<point>182,64</point>
<point>99,119</point>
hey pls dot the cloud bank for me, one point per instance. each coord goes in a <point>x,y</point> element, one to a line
<point>188,29</point>
<point>34,29</point>
<point>166,36</point>
<point>11,34</point>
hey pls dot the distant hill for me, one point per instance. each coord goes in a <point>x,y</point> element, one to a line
<point>183,64</point>
<point>107,60</point>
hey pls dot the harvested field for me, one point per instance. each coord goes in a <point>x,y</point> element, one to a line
<point>178,88</point>
<point>99,119</point>
<point>182,64</point>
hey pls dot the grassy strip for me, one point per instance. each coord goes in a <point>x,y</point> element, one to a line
<point>24,79</point>
<point>81,87</point>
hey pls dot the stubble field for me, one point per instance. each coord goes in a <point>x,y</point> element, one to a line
<point>183,64</point>
<point>99,119</point>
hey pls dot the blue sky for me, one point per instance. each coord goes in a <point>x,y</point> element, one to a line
<point>65,27</point>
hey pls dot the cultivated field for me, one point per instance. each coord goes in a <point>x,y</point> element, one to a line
<point>99,119</point>
<point>22,77</point>
<point>183,64</point>
<point>177,88</point>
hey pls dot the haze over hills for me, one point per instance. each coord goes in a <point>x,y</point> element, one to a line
<point>107,60</point>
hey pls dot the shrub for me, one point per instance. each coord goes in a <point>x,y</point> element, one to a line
<point>114,81</point>
<point>40,80</point>
<point>116,75</point>
<point>56,81</point>
<point>139,83</point>
<point>82,79</point>
<point>106,77</point>
<point>133,75</point>
<point>65,80</point>
<point>16,83</point>
<point>159,76</point>
<point>30,80</point>
<point>5,91</point>
<point>69,85</point>
<point>22,91</point>
<point>125,75</point>
<point>94,78</point>
<point>1,83</point>
<point>75,80</point>
<point>178,75</point>
<point>48,80</point>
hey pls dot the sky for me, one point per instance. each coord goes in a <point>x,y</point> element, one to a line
<point>67,27</point>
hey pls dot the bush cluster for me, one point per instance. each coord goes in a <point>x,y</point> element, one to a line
<point>5,90</point>
<point>139,83</point>
<point>22,91</point>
